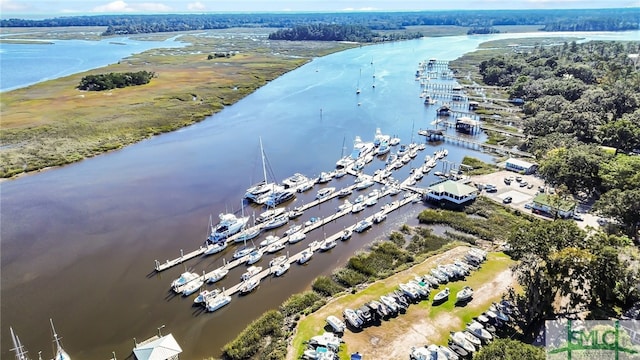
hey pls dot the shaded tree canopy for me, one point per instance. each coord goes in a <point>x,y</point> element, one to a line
<point>114,80</point>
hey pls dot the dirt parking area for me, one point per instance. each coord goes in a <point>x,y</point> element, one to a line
<point>520,195</point>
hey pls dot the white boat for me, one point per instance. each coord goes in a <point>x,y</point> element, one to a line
<point>477,330</point>
<point>307,185</point>
<point>206,295</point>
<point>450,354</point>
<point>278,197</point>
<point>325,177</point>
<point>472,339</point>
<point>277,260</point>
<point>294,180</point>
<point>325,192</point>
<point>215,248</point>
<point>299,236</point>
<point>269,214</point>
<point>314,245</point>
<point>305,256</point>
<point>292,230</point>
<point>281,268</point>
<point>465,294</point>
<point>248,234</point>
<point>328,245</point>
<point>218,302</point>
<point>371,200</point>
<point>384,148</point>
<point>352,318</point>
<point>336,324</point>
<point>441,296</point>
<point>217,275</point>
<point>229,225</point>
<point>319,353</point>
<point>460,339</point>
<point>402,150</point>
<point>345,205</point>
<point>295,213</point>
<point>360,198</point>
<point>275,247</point>
<point>410,291</point>
<point>359,164</point>
<point>18,348</point>
<point>254,257</point>
<point>423,288</point>
<point>258,192</point>
<point>251,272</point>
<point>394,141</point>
<point>340,173</point>
<point>271,239</point>
<point>362,226</point>
<point>243,251</point>
<point>379,138</point>
<point>192,286</point>
<point>346,235</point>
<point>184,278</point>
<point>379,217</point>
<point>276,222</point>
<point>249,285</point>
<point>365,184</point>
<point>311,221</point>
<point>357,207</point>
<point>60,353</point>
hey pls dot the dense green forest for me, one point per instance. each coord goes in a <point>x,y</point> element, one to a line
<point>335,32</point>
<point>582,116</point>
<point>114,80</point>
<point>548,20</point>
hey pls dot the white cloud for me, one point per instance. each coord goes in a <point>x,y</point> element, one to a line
<point>196,6</point>
<point>9,5</point>
<point>121,6</point>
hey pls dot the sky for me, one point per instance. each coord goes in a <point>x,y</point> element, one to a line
<point>54,8</point>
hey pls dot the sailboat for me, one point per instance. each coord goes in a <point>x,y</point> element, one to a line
<point>60,353</point>
<point>260,192</point>
<point>18,348</point>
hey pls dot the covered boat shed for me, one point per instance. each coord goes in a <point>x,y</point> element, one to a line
<point>158,348</point>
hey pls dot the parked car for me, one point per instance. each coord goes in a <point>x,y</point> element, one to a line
<point>507,200</point>
<point>507,181</point>
<point>523,184</point>
<point>528,205</point>
<point>530,186</point>
<point>577,217</point>
<point>518,178</point>
<point>491,190</point>
<point>540,189</point>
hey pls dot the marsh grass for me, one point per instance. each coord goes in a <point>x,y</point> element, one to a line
<point>53,123</point>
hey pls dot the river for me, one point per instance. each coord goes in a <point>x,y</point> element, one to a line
<point>79,242</point>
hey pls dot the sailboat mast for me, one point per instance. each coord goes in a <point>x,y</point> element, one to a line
<point>21,353</point>
<point>55,335</point>
<point>264,167</point>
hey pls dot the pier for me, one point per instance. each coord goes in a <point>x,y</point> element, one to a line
<point>433,135</point>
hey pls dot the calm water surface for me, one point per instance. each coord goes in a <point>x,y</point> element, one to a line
<point>78,243</point>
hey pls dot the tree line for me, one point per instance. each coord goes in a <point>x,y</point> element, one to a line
<point>548,20</point>
<point>110,81</point>
<point>336,32</point>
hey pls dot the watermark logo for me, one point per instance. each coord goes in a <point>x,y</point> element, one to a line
<point>593,340</point>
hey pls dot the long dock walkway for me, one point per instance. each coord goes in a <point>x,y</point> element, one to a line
<point>434,134</point>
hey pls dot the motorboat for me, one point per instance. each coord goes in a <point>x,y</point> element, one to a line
<point>275,247</point>
<point>344,192</point>
<point>215,247</point>
<point>314,245</point>
<point>486,323</point>
<point>254,257</point>
<point>217,275</point>
<point>477,330</point>
<point>336,324</point>
<point>340,173</point>
<point>218,302</point>
<point>346,235</point>
<point>328,245</point>
<point>251,272</point>
<point>229,225</point>
<point>364,313</point>
<point>431,280</point>
<point>421,353</point>
<point>458,350</point>
<point>292,230</point>
<point>305,256</point>
<point>379,308</point>
<point>450,354</point>
<point>243,251</point>
<point>400,298</point>
<point>277,260</point>
<point>379,138</point>
<point>206,295</point>
<point>281,268</point>
<point>184,278</point>
<point>328,340</point>
<point>280,197</point>
<point>384,148</point>
<point>248,234</point>
<point>271,239</point>
<point>460,339</point>
<point>357,207</point>
<point>365,184</point>
<point>390,303</point>
<point>442,278</point>
<point>402,150</point>
<point>362,225</point>
<point>276,222</point>
<point>360,198</point>
<point>249,285</point>
<point>344,206</point>
<point>305,186</point>
<point>325,192</point>
<point>269,214</point>
<point>311,221</point>
<point>394,141</point>
<point>299,236</point>
<point>192,286</point>
<point>421,287</point>
<point>464,295</point>
<point>410,291</point>
<point>499,313</point>
<point>371,200</point>
<point>294,180</point>
<point>359,165</point>
<point>379,217</point>
<point>292,214</point>
<point>476,342</point>
<point>352,318</point>
<point>319,353</point>
<point>441,296</point>
<point>325,177</point>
